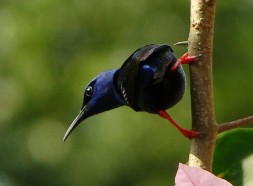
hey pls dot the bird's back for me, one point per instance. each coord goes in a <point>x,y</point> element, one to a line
<point>159,88</point>
<point>146,81</point>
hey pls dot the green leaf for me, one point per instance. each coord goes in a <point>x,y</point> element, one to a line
<point>231,148</point>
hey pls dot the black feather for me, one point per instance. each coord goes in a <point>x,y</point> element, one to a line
<point>128,73</point>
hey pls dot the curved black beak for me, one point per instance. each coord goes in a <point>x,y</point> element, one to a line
<point>79,118</point>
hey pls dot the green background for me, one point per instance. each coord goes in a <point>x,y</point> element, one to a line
<point>50,50</point>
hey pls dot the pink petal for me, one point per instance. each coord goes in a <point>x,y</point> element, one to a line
<point>192,176</point>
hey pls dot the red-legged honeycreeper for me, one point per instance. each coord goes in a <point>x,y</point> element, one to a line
<point>150,80</point>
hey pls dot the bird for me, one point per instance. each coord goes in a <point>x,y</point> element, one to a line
<point>150,80</point>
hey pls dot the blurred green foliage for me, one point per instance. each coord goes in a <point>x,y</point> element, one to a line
<point>232,148</point>
<point>49,51</point>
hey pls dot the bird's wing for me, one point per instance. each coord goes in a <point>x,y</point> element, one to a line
<point>127,76</point>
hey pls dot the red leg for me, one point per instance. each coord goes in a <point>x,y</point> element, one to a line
<point>187,133</point>
<point>184,59</point>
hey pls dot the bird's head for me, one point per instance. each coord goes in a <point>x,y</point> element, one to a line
<point>100,95</point>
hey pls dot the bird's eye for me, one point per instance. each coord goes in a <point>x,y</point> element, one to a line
<point>89,91</point>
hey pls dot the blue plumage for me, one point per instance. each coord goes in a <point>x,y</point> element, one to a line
<point>145,82</point>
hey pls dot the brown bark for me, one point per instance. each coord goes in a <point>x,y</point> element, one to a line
<point>201,82</point>
<point>203,120</point>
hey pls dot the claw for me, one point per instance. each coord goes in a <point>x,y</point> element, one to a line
<point>185,59</point>
<point>190,133</point>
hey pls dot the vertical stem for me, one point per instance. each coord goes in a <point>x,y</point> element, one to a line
<point>203,119</point>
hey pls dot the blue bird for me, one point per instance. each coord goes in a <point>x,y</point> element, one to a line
<point>150,80</point>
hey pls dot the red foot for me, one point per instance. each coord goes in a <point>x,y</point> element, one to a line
<point>187,133</point>
<point>184,59</point>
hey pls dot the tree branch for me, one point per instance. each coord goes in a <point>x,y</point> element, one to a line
<point>201,81</point>
<point>203,120</point>
<point>235,124</point>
